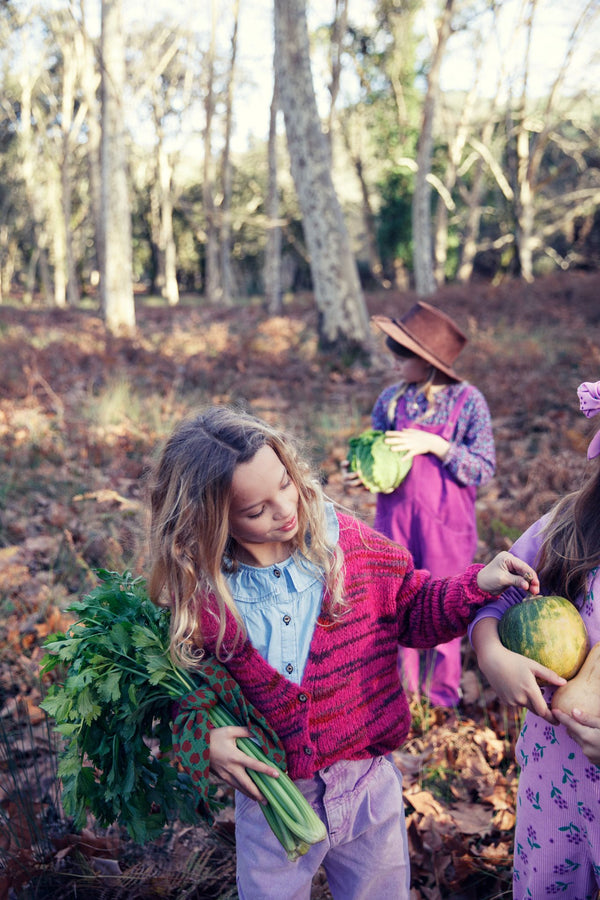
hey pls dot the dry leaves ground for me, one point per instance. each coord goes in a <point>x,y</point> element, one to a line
<point>80,418</point>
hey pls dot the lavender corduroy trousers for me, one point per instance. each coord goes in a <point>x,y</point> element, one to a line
<point>365,854</point>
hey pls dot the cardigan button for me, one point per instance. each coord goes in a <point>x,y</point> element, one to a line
<point>308,751</point>
<point>302,698</point>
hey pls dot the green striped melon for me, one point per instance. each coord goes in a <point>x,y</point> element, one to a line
<point>547,629</point>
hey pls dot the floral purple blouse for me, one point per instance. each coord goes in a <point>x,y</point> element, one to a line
<point>471,459</point>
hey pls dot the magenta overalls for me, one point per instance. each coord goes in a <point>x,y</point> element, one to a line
<point>433,516</point>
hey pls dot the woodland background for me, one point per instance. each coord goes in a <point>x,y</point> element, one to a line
<point>396,144</point>
<point>152,262</point>
<point>82,415</point>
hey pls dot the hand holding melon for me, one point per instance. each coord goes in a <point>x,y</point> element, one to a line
<point>583,691</point>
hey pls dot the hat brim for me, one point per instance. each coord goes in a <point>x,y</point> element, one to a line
<point>397,333</point>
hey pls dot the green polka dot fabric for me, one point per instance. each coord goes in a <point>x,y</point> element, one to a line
<point>191,726</point>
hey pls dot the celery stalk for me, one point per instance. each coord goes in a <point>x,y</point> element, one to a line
<point>289,810</point>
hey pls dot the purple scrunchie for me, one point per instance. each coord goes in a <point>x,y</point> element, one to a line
<point>589,403</point>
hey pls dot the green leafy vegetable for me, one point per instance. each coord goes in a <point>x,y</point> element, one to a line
<point>381,469</point>
<point>114,710</point>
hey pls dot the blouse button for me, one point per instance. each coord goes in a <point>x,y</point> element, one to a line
<point>287,620</point>
<point>289,668</point>
<point>302,698</point>
<point>277,573</point>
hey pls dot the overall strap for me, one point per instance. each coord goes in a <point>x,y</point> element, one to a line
<point>456,410</point>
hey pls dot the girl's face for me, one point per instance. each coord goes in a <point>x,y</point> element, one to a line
<point>411,368</point>
<point>263,517</point>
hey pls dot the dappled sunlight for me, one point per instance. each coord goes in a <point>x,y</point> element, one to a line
<point>81,420</point>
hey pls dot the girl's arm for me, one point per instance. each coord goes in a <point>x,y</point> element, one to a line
<point>230,763</point>
<point>471,456</point>
<point>526,548</point>
<point>512,676</point>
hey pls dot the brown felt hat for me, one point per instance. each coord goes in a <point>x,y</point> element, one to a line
<point>427,332</point>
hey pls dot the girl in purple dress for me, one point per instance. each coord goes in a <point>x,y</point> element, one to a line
<point>557,833</point>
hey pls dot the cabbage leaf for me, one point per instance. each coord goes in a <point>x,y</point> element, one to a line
<point>380,468</point>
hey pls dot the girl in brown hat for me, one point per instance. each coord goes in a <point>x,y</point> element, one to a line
<point>444,425</point>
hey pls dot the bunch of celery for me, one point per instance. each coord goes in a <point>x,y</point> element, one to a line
<point>116,700</point>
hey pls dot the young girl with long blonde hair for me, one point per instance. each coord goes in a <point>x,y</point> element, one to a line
<point>305,606</point>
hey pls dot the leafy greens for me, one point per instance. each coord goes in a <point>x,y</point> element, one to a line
<point>114,710</point>
<point>380,468</point>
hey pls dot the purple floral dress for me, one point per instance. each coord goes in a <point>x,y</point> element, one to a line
<point>557,834</point>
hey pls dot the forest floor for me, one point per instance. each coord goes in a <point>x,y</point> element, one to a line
<point>81,417</point>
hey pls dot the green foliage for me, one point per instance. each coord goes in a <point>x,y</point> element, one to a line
<point>394,221</point>
<point>114,711</point>
<point>380,468</point>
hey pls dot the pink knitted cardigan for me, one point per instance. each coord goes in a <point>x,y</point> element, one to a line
<point>350,704</point>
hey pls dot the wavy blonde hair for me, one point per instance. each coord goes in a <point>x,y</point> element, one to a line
<point>190,544</point>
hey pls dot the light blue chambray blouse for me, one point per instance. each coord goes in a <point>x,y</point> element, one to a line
<point>280,605</point>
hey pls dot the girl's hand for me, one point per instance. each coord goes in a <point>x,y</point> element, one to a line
<point>415,442</point>
<point>506,570</point>
<point>230,763</point>
<point>513,677</point>
<point>585,731</point>
<point>350,479</point>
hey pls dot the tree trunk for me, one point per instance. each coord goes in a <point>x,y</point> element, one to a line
<point>456,146</point>
<point>170,288</point>
<point>425,283</point>
<point>116,279</point>
<point>90,81</point>
<point>368,214</point>
<point>470,232</point>
<point>29,164</point>
<point>225,236</point>
<point>56,221</point>
<point>338,32</point>
<point>72,52</point>
<point>342,311</point>
<point>212,287</point>
<point>272,270</point>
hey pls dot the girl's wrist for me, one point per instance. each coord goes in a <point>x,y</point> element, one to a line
<point>442,446</point>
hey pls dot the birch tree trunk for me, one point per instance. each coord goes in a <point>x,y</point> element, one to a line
<point>225,236</point>
<point>425,283</point>
<point>212,286</point>
<point>117,273</point>
<point>368,214</point>
<point>523,192</point>
<point>272,269</point>
<point>456,146</point>
<point>170,288</point>
<point>30,165</point>
<point>90,81</point>
<point>343,319</point>
<point>71,122</point>
<point>473,202</point>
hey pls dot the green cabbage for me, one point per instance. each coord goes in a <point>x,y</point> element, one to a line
<point>380,468</point>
